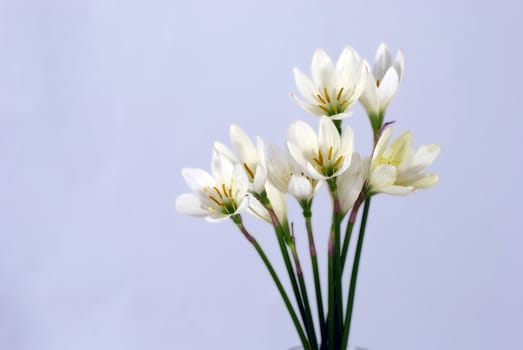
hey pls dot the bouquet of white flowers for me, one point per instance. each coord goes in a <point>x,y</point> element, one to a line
<point>246,178</point>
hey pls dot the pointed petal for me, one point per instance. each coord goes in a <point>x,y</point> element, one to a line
<point>257,209</point>
<point>321,69</point>
<point>300,187</point>
<point>398,190</point>
<point>303,137</point>
<point>347,141</point>
<point>369,97</point>
<point>328,135</point>
<point>341,116</point>
<point>399,63</point>
<point>225,151</point>
<point>418,161</point>
<point>345,66</point>
<point>382,143</point>
<point>278,201</point>
<point>190,204</point>
<point>216,218</point>
<point>197,179</point>
<point>388,88</point>
<point>239,179</point>
<point>400,148</point>
<point>260,178</point>
<point>382,61</point>
<point>304,84</point>
<point>426,181</point>
<point>221,166</point>
<point>243,146</point>
<point>260,150</point>
<point>383,176</point>
<point>307,106</point>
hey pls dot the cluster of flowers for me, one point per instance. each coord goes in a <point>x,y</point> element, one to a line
<point>249,177</point>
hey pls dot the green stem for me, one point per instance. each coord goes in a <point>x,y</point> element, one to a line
<point>307,214</point>
<point>354,275</point>
<point>336,309</point>
<point>238,221</point>
<point>283,235</point>
<point>330,315</point>
<point>350,227</point>
<point>303,288</point>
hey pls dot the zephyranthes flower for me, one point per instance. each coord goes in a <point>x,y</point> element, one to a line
<point>285,175</point>
<point>382,84</point>
<point>216,196</point>
<point>351,182</point>
<point>321,156</point>
<point>395,169</point>
<point>333,89</point>
<point>249,156</point>
<point>278,202</point>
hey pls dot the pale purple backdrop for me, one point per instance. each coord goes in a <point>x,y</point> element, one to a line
<point>103,102</point>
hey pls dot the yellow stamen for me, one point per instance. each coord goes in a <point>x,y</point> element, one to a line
<point>338,161</point>
<point>248,170</point>
<point>217,191</point>
<point>327,95</point>
<point>339,94</point>
<point>224,190</point>
<point>321,99</point>
<point>378,82</point>
<point>324,109</point>
<point>329,156</point>
<point>319,160</point>
<point>216,201</point>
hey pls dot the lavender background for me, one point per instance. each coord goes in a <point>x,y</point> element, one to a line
<point>103,102</point>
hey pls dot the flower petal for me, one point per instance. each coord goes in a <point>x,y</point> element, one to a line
<point>260,178</point>
<point>300,187</point>
<point>382,143</point>
<point>388,87</point>
<point>243,146</point>
<point>190,204</point>
<point>328,135</point>
<point>426,181</point>
<point>304,84</point>
<point>382,61</point>
<point>369,97</point>
<point>383,176</point>
<point>347,141</point>
<point>398,190</point>
<point>321,68</point>
<point>197,179</point>
<point>278,201</point>
<point>399,63</point>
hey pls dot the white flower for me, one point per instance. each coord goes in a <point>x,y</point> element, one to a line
<point>351,182</point>
<point>249,156</point>
<point>382,84</point>
<point>320,156</point>
<point>216,196</point>
<point>333,89</point>
<point>395,169</point>
<point>286,177</point>
<point>278,202</point>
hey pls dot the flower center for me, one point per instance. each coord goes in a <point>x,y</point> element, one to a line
<point>332,106</point>
<point>326,163</point>
<point>223,198</point>
<point>389,158</point>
